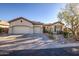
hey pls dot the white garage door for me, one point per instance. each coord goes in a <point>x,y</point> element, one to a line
<point>22,30</point>
<point>38,30</point>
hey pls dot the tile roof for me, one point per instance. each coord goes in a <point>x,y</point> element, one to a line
<point>33,22</point>
<point>54,23</point>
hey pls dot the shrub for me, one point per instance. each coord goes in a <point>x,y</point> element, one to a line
<point>65,34</point>
<point>59,32</point>
<point>45,31</point>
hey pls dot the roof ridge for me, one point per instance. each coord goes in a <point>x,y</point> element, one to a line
<point>33,22</point>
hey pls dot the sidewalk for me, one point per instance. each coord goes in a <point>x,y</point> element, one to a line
<point>58,45</point>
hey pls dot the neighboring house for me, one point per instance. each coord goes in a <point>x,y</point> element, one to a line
<point>4,26</point>
<point>24,26</point>
<point>54,27</point>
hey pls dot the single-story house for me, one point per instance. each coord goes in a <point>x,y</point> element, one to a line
<point>54,27</point>
<point>24,26</point>
<point>4,26</point>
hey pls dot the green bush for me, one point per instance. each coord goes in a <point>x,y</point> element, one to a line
<point>49,32</point>
<point>65,34</point>
<point>59,32</point>
<point>45,31</point>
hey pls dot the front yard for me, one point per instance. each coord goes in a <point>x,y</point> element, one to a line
<point>31,44</point>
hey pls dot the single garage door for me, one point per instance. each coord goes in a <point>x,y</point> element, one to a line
<point>22,30</point>
<point>37,30</point>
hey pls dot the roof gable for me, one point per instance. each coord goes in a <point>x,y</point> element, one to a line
<point>33,22</point>
<point>19,19</point>
<point>58,22</point>
<point>54,23</point>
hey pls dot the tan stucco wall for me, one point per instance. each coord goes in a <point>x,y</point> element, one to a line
<point>24,23</point>
<point>58,26</point>
<point>18,22</point>
<point>51,27</point>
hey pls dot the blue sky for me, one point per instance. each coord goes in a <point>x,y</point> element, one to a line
<point>46,13</point>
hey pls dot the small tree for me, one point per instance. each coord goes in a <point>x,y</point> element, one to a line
<point>70,16</point>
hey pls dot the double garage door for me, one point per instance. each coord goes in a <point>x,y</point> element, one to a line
<point>21,30</point>
<point>25,30</point>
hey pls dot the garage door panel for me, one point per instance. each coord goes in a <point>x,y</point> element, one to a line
<point>38,30</point>
<point>22,30</point>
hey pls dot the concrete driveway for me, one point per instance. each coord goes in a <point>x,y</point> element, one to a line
<point>32,44</point>
<point>32,41</point>
<point>23,42</point>
<point>29,41</point>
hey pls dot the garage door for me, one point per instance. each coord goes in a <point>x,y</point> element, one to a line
<point>37,30</point>
<point>22,30</point>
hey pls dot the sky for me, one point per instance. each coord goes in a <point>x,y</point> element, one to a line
<point>42,12</point>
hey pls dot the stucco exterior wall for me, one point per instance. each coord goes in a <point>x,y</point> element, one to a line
<point>21,24</point>
<point>51,27</point>
<point>59,27</point>
<point>18,22</point>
